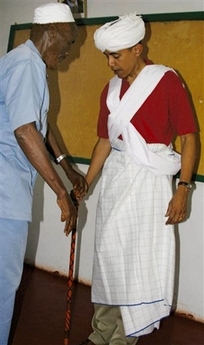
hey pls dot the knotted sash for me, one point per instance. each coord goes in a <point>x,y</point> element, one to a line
<point>164,162</point>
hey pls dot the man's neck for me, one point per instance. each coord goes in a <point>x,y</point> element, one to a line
<point>136,72</point>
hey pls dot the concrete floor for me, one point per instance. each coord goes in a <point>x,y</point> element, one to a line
<point>39,316</point>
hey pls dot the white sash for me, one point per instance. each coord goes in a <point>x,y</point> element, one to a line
<point>166,162</point>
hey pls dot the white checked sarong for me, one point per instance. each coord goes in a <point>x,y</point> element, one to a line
<point>134,249</point>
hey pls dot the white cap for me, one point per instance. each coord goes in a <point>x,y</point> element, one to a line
<point>53,13</point>
<point>120,34</point>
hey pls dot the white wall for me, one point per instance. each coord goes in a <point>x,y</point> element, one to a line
<point>47,246</point>
<point>15,12</point>
<point>106,8</point>
<point>190,256</point>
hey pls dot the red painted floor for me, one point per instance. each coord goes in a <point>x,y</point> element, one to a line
<point>39,316</point>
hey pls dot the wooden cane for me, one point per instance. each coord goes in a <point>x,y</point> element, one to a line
<point>70,282</point>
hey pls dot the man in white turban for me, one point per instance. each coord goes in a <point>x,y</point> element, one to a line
<point>122,33</point>
<point>24,103</point>
<point>141,109</point>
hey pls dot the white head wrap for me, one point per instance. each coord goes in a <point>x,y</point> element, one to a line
<point>120,34</point>
<point>53,13</point>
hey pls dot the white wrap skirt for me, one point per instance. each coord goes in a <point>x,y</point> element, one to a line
<point>134,256</point>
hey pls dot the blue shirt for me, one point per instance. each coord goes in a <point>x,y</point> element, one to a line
<point>24,98</point>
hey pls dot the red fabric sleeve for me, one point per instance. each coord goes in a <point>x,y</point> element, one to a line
<point>102,129</point>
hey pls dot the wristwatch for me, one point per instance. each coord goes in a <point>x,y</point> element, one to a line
<point>186,184</point>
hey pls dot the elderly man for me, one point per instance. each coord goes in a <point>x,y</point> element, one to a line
<point>142,108</point>
<point>24,103</point>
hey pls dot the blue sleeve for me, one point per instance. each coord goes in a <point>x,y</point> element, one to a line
<point>22,98</point>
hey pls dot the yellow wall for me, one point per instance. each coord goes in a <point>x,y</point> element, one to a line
<point>75,89</point>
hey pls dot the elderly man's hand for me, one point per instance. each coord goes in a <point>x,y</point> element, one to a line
<point>68,213</point>
<point>80,188</point>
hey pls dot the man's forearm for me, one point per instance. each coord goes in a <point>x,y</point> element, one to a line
<point>188,156</point>
<point>99,155</point>
<point>31,142</point>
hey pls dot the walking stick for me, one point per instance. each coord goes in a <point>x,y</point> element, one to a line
<point>70,282</point>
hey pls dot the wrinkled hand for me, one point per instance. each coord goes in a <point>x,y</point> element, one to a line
<point>80,188</point>
<point>68,213</point>
<point>177,207</point>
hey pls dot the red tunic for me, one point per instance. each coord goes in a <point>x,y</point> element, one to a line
<point>165,114</point>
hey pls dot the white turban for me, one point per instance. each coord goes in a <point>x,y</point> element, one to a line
<point>53,13</point>
<point>120,34</point>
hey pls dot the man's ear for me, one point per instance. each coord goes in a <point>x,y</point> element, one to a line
<point>52,31</point>
<point>138,49</point>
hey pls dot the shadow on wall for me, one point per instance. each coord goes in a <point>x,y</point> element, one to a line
<point>178,247</point>
<point>53,82</point>
<point>47,246</point>
<point>84,213</point>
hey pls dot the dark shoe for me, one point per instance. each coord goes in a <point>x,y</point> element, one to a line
<point>87,342</point>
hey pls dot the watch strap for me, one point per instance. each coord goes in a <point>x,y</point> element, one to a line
<point>186,184</point>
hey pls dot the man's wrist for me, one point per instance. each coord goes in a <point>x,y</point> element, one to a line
<point>185,184</point>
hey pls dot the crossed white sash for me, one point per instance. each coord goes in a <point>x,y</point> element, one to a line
<point>164,162</point>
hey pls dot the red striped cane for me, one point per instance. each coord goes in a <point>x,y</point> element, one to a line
<point>70,282</point>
